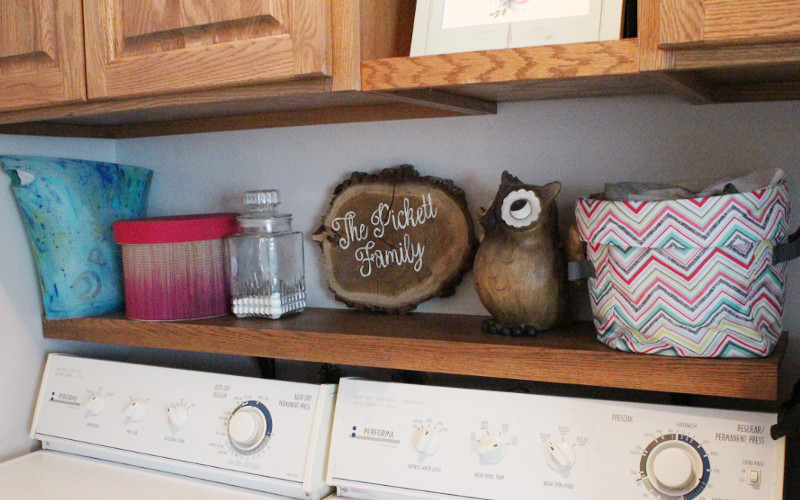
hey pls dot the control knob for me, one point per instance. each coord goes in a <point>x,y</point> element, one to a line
<point>135,410</point>
<point>491,449</point>
<point>95,404</point>
<point>427,441</point>
<point>177,415</point>
<point>250,426</point>
<point>675,465</point>
<point>560,455</point>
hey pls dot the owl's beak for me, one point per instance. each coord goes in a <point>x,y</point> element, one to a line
<point>487,219</point>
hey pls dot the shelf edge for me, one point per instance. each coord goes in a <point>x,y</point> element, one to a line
<point>570,356</point>
<point>544,62</point>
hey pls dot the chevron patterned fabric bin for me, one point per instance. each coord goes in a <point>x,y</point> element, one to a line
<point>688,277</point>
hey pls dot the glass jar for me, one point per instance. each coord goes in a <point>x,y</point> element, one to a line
<point>266,260</point>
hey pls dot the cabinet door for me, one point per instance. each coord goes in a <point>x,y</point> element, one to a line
<point>140,47</point>
<point>41,53</point>
<point>735,19</point>
<point>717,21</point>
<point>696,34</point>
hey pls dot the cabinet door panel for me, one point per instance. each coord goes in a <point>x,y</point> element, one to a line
<point>719,21</point>
<point>41,53</point>
<point>21,33</point>
<point>726,19</point>
<point>140,47</point>
<point>142,18</point>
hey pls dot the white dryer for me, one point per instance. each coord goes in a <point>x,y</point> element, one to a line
<point>136,432</point>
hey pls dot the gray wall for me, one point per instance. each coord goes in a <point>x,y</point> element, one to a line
<point>582,143</point>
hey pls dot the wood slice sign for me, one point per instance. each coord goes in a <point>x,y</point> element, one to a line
<point>395,239</point>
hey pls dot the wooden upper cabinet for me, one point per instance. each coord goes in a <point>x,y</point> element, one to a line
<point>145,47</point>
<point>41,53</point>
<point>751,19</point>
<point>728,21</point>
<point>686,34</point>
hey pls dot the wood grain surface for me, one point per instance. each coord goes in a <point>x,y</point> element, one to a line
<point>23,26</point>
<point>183,66</point>
<point>41,53</point>
<point>299,102</point>
<point>442,343</point>
<point>618,57</point>
<point>727,19</point>
<point>150,47</point>
<point>143,18</point>
<point>394,239</point>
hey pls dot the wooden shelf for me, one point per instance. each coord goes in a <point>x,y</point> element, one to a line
<point>527,73</point>
<point>442,343</point>
<point>239,108</point>
<point>701,73</point>
<point>459,84</point>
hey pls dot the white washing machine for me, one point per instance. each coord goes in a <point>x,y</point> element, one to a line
<point>135,432</point>
<point>398,441</point>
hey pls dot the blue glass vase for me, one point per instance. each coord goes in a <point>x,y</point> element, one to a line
<point>68,207</point>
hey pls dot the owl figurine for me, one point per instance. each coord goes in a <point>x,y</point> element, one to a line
<point>520,270</point>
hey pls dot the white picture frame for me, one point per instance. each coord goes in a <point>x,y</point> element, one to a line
<point>447,26</point>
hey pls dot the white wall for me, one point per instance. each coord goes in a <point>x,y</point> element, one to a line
<point>21,345</point>
<point>583,143</point>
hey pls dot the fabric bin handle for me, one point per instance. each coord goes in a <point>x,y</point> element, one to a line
<point>580,270</point>
<point>787,251</point>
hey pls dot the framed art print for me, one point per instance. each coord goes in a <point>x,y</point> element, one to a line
<point>446,26</point>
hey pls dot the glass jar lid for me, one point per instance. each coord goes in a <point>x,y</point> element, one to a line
<point>262,212</point>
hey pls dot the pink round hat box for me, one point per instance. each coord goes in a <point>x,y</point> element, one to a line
<point>174,267</point>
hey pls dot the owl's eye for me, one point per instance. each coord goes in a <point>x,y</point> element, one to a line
<point>520,208</point>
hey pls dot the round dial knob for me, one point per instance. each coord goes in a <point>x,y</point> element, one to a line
<point>177,415</point>
<point>676,465</point>
<point>250,426</point>
<point>95,404</point>
<point>560,455</point>
<point>673,470</point>
<point>427,441</point>
<point>135,410</point>
<point>491,449</point>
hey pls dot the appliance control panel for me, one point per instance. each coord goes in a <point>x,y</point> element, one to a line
<point>404,441</point>
<point>263,434</point>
